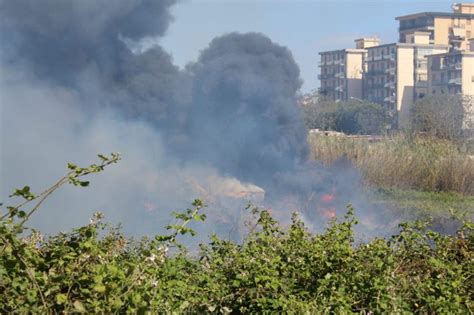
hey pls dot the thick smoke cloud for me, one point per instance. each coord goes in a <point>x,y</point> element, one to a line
<point>74,84</point>
<point>59,39</point>
<point>245,107</point>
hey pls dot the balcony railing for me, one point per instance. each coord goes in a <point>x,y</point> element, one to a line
<point>455,66</point>
<point>376,86</point>
<point>390,99</point>
<point>426,27</point>
<point>390,85</point>
<point>374,72</point>
<point>390,71</point>
<point>438,82</point>
<point>323,91</point>
<point>390,57</point>
<point>455,81</point>
<point>379,57</point>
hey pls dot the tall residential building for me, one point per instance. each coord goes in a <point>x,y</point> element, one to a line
<point>445,28</point>
<point>452,73</point>
<point>342,70</point>
<point>341,74</point>
<point>397,74</point>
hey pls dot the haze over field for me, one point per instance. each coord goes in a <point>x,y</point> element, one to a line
<point>76,81</point>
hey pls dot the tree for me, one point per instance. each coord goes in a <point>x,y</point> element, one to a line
<point>443,116</point>
<point>352,117</point>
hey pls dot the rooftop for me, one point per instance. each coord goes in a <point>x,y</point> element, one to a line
<point>457,52</point>
<point>435,14</point>
<point>411,45</point>
<point>346,50</point>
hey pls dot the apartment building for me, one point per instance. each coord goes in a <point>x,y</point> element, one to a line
<point>452,72</point>
<point>341,74</point>
<point>397,74</point>
<point>445,28</point>
<point>342,70</point>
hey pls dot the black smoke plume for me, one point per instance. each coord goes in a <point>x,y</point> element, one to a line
<point>75,80</point>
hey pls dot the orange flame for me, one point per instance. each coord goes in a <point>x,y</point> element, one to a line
<point>328,198</point>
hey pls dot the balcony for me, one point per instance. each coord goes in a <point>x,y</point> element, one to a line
<point>417,26</point>
<point>455,66</point>
<point>439,82</point>
<point>389,99</point>
<point>390,85</point>
<point>390,57</point>
<point>340,75</point>
<point>374,72</point>
<point>377,58</point>
<point>326,76</point>
<point>339,88</point>
<point>455,81</point>
<point>376,86</point>
<point>390,71</point>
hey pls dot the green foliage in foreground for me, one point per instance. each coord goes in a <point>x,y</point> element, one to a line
<point>96,269</point>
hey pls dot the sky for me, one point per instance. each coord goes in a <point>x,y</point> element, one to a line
<point>305,27</point>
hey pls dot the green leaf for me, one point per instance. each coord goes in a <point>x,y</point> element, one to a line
<point>78,306</point>
<point>99,288</point>
<point>61,298</point>
<point>103,157</point>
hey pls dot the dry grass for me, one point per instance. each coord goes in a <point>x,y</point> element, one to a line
<point>421,163</point>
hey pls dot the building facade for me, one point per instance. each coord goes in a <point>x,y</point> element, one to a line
<point>341,74</point>
<point>451,73</point>
<point>433,55</point>
<point>397,75</point>
<point>444,28</point>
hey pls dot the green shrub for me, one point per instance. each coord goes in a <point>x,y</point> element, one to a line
<point>274,269</point>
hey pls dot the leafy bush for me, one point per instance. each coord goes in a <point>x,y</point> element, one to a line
<point>273,270</point>
<point>354,117</point>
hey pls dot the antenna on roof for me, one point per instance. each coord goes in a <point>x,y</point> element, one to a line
<point>455,7</point>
